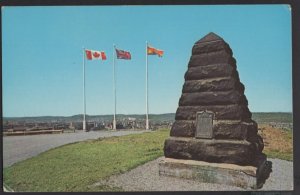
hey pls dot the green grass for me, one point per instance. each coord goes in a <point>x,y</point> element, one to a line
<point>280,155</point>
<point>75,167</point>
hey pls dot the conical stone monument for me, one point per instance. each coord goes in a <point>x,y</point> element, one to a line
<point>213,138</point>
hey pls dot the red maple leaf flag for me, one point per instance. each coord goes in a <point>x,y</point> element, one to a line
<point>121,54</point>
<point>95,55</point>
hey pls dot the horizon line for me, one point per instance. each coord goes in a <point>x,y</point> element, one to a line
<point>122,114</point>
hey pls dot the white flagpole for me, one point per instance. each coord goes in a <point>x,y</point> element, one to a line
<point>147,119</point>
<point>114,89</point>
<point>84,105</point>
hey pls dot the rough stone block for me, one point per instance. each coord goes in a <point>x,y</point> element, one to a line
<point>219,57</point>
<point>183,129</point>
<point>212,98</point>
<point>211,150</point>
<point>210,37</point>
<point>222,112</point>
<point>234,130</point>
<point>211,71</point>
<point>215,84</point>
<point>207,47</point>
<point>247,177</point>
<point>237,130</point>
<point>257,140</point>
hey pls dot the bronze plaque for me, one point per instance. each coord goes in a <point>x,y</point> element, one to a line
<point>204,125</point>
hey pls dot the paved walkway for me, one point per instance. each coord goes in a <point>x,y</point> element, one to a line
<point>18,148</point>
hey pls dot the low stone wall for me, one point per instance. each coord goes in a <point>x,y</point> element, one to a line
<point>31,132</point>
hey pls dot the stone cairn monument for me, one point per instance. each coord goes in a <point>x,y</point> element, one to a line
<point>213,138</point>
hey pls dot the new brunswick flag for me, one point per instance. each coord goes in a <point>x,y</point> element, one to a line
<point>154,51</point>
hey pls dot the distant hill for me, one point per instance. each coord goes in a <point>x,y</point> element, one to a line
<point>153,117</point>
<point>259,117</point>
<point>277,117</point>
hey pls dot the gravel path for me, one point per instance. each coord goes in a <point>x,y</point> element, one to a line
<point>18,148</point>
<point>146,178</point>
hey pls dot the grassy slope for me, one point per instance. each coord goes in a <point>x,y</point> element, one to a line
<point>74,167</point>
<point>278,143</point>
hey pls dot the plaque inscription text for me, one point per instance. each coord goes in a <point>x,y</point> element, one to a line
<point>204,125</point>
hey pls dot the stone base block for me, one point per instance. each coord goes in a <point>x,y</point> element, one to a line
<point>248,177</point>
<point>238,152</point>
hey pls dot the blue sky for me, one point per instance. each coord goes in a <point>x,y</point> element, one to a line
<point>42,56</point>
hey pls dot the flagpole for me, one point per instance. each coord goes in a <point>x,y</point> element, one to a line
<point>84,105</point>
<point>114,89</point>
<point>147,118</point>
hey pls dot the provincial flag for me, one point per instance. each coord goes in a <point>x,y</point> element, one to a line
<point>121,54</point>
<point>154,51</point>
<point>95,55</point>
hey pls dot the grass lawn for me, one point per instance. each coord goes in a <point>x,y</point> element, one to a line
<point>75,167</point>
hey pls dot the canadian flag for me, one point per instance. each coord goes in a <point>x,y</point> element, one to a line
<point>95,55</point>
